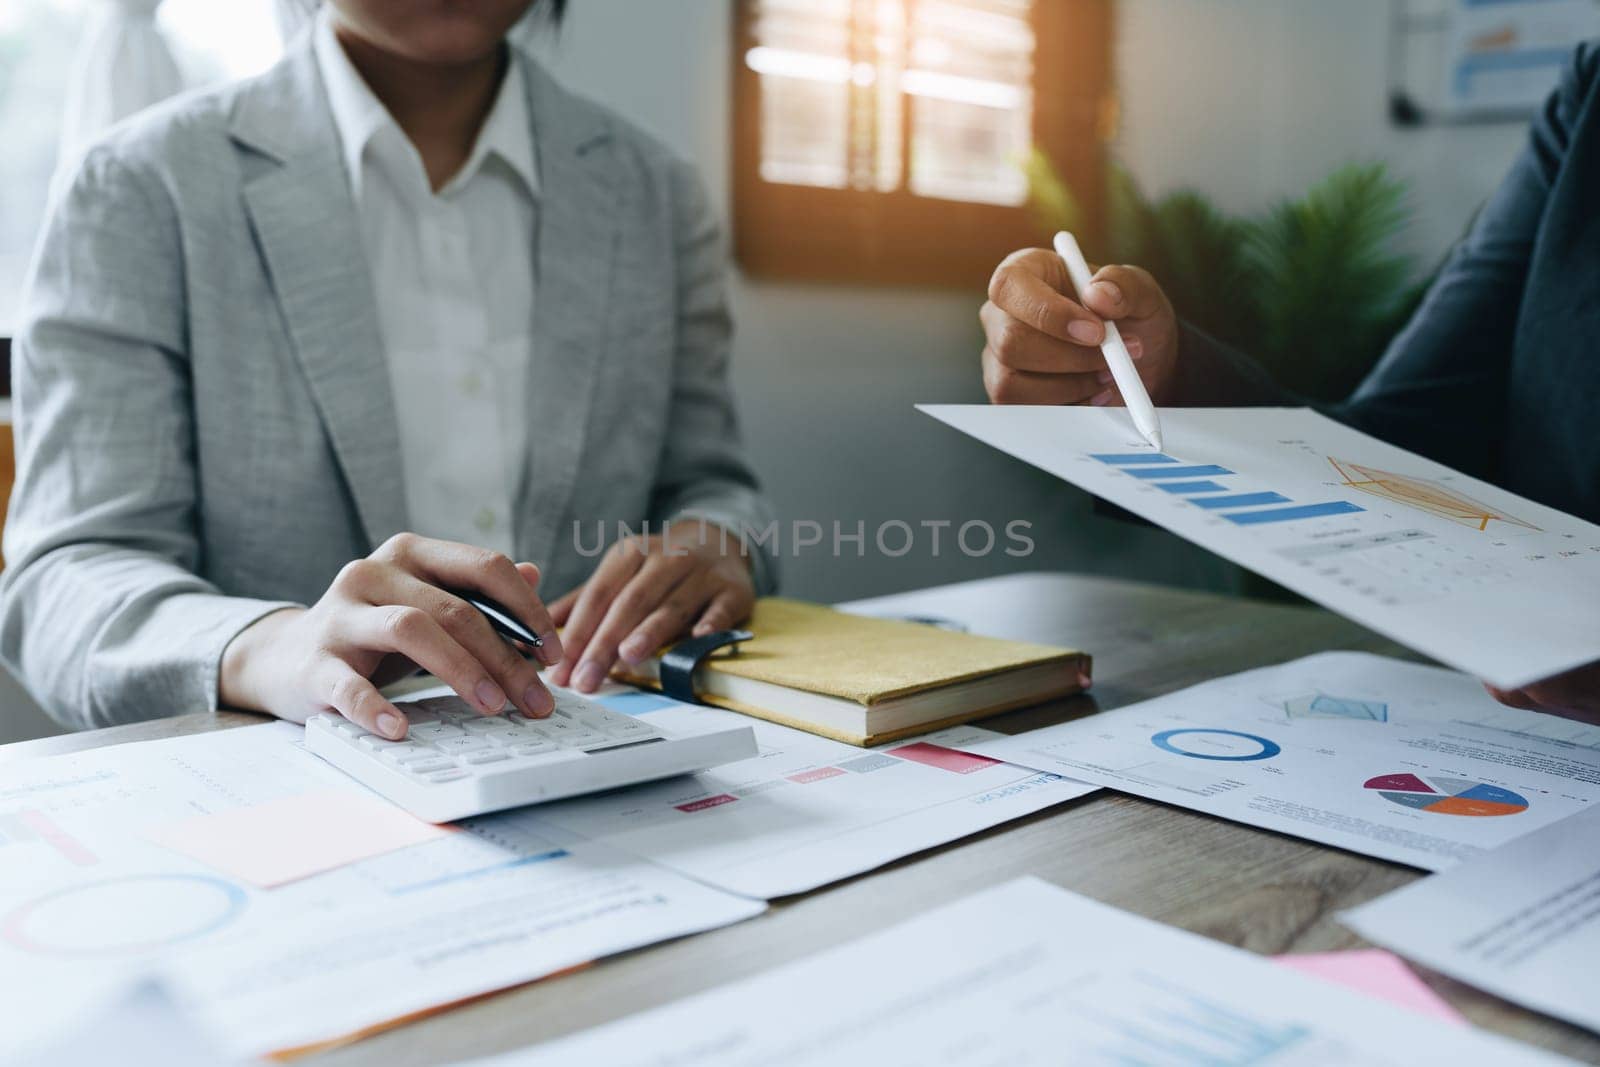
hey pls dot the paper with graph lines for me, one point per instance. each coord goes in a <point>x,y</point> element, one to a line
<point>1476,577</point>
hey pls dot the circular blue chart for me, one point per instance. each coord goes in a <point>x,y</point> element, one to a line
<point>1228,745</point>
<point>93,919</point>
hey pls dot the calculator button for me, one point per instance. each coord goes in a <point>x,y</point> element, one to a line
<point>487,725</point>
<point>584,738</point>
<point>627,727</point>
<point>488,755</point>
<point>447,776</point>
<point>510,738</point>
<point>433,731</point>
<point>401,755</point>
<point>537,749</point>
<point>462,743</point>
<point>557,725</point>
<point>429,766</point>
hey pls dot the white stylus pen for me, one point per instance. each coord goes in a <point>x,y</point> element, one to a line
<point>1123,373</point>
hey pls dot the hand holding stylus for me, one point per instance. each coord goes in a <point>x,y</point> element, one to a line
<point>1043,344</point>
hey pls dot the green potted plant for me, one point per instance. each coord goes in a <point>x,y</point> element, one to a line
<point>1313,287</point>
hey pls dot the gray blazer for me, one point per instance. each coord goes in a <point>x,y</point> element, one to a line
<point>205,427</point>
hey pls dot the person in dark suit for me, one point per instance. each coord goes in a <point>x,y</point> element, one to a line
<point>1497,374</point>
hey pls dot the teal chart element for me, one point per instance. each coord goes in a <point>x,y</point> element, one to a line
<point>1228,745</point>
<point>1323,706</point>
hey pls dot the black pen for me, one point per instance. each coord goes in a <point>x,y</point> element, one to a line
<point>505,624</point>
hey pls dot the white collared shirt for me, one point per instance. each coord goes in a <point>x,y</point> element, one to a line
<point>453,273</point>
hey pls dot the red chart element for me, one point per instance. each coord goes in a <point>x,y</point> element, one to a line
<point>707,802</point>
<point>1406,783</point>
<point>946,759</point>
<point>816,774</point>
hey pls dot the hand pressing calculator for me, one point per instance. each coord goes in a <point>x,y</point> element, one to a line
<point>456,762</point>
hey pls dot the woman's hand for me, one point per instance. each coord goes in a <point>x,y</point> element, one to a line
<point>381,619</point>
<point>1043,347</point>
<point>647,591</point>
<point>1574,695</point>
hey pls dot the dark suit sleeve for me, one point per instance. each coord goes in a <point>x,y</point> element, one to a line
<point>1439,388</point>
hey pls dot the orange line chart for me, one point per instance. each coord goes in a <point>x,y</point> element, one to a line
<point>1423,495</point>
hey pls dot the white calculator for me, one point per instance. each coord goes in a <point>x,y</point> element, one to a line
<point>456,762</point>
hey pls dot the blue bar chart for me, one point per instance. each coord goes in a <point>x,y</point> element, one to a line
<point>1184,488</point>
<point>1304,511</point>
<point>1198,484</point>
<point>1204,470</point>
<point>1434,558</point>
<point>1241,500</point>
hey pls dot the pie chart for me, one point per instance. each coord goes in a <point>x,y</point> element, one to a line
<point>1447,796</point>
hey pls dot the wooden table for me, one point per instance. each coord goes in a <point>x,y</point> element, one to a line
<point>1248,887</point>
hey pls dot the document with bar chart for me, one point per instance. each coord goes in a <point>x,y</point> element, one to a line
<point>1029,973</point>
<point>807,810</point>
<point>1390,759</point>
<point>1432,558</point>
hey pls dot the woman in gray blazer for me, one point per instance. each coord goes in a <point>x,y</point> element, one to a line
<point>303,354</point>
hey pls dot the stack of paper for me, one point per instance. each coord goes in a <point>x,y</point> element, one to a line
<point>808,811</point>
<point>1395,760</point>
<point>1522,921</point>
<point>264,884</point>
<point>1029,973</point>
<point>89,901</point>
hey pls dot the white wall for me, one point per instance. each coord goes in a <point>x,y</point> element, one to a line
<point>1253,100</point>
<point>1247,100</point>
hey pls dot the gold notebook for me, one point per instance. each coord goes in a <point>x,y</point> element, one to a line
<point>865,680</point>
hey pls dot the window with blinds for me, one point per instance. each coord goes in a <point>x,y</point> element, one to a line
<point>859,123</point>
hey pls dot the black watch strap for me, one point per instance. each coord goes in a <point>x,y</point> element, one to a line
<point>679,662</point>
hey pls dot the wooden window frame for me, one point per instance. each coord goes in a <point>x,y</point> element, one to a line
<point>863,236</point>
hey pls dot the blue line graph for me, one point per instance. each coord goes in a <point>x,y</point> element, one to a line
<point>479,872</point>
